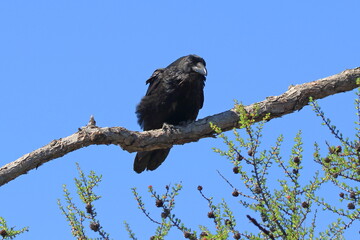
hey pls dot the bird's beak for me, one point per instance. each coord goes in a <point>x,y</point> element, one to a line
<point>200,68</point>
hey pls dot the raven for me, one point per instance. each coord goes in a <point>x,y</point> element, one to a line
<point>175,96</point>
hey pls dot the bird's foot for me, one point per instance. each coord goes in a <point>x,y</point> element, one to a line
<point>168,127</point>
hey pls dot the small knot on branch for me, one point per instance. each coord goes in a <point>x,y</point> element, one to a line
<point>92,122</point>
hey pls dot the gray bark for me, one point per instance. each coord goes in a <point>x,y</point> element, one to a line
<point>292,100</point>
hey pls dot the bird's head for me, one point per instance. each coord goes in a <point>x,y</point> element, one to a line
<point>191,64</point>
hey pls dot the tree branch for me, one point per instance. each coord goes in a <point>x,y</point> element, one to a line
<point>292,100</point>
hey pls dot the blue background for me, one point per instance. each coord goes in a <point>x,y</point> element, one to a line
<point>62,61</point>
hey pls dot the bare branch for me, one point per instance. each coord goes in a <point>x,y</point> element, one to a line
<point>292,100</point>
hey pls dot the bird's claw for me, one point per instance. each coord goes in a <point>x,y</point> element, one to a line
<point>168,127</point>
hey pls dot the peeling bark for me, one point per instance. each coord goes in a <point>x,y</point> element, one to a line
<point>132,141</point>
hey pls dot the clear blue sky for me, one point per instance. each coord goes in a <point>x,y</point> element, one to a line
<point>62,61</point>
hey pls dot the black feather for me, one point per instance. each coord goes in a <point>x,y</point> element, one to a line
<point>175,95</point>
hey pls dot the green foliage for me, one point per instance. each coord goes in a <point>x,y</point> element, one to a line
<point>128,229</point>
<point>280,206</point>
<point>341,167</point>
<point>279,211</point>
<point>77,217</point>
<point>166,202</point>
<point>7,232</point>
<point>224,220</point>
<point>288,209</point>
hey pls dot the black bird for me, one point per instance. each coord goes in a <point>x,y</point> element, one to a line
<point>175,96</point>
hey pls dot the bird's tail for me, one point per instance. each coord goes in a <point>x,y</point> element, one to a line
<point>150,160</point>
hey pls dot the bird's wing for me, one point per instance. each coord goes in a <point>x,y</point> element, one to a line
<point>154,81</point>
